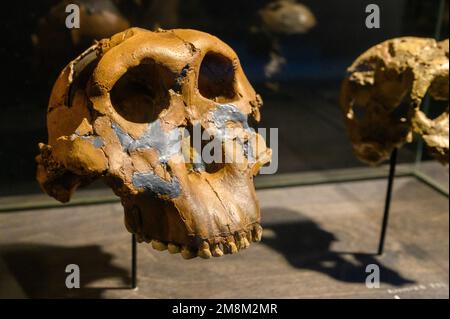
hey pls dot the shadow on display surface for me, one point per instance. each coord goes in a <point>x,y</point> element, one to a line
<point>307,246</point>
<point>39,269</point>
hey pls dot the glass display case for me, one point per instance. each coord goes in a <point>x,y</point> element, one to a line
<point>295,55</point>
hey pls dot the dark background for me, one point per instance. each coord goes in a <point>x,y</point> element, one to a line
<point>304,108</point>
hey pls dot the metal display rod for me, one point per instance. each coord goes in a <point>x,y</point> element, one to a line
<point>387,202</point>
<point>133,262</point>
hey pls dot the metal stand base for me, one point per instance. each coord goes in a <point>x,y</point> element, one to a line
<point>387,202</point>
<point>133,262</point>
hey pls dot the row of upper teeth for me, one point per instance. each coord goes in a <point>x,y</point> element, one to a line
<point>206,250</point>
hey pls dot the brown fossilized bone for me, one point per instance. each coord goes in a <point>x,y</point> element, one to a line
<point>117,112</point>
<point>382,94</point>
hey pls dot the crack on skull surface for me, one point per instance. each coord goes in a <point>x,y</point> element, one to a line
<point>97,141</point>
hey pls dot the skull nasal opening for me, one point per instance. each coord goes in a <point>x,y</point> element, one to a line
<point>142,92</point>
<point>216,78</point>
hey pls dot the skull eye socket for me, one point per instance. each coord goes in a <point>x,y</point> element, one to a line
<point>142,92</point>
<point>216,78</point>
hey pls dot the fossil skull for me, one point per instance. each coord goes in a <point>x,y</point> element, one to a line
<point>117,111</point>
<point>382,94</point>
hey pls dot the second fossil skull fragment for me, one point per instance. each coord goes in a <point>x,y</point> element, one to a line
<point>118,111</point>
<point>382,94</point>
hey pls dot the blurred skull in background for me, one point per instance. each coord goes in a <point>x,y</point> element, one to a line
<point>382,94</point>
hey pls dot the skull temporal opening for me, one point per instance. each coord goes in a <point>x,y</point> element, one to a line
<point>115,112</point>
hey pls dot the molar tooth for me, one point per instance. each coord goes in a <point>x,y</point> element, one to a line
<point>240,241</point>
<point>229,246</point>
<point>187,253</point>
<point>216,251</point>
<point>158,245</point>
<point>173,249</point>
<point>233,248</point>
<point>204,253</point>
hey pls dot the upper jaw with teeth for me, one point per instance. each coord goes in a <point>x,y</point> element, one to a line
<point>210,248</point>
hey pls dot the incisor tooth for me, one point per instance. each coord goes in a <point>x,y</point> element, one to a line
<point>257,233</point>
<point>156,244</point>
<point>216,251</point>
<point>173,249</point>
<point>246,244</point>
<point>186,253</point>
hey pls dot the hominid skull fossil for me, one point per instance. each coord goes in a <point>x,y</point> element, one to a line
<point>382,94</point>
<point>116,113</point>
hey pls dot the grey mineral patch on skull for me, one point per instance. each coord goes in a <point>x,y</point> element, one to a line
<point>155,184</point>
<point>230,113</point>
<point>97,141</point>
<point>124,138</point>
<point>166,143</point>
